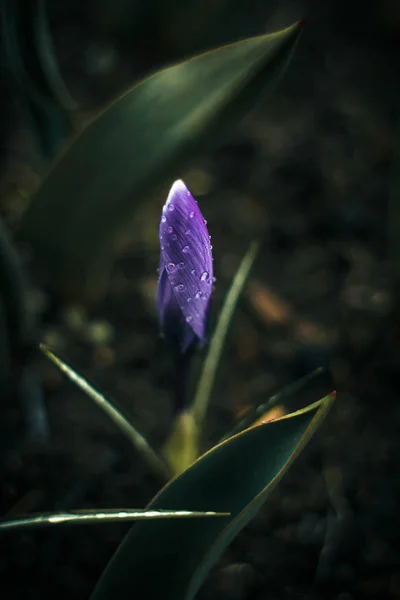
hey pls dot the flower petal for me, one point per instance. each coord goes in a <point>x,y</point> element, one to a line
<point>173,323</point>
<point>186,255</point>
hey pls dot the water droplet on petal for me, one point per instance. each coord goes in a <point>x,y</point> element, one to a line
<point>191,215</point>
<point>171,207</point>
<point>186,249</point>
<point>205,222</point>
<point>188,319</point>
<point>180,287</point>
<point>198,294</point>
<point>193,272</point>
<point>171,267</point>
<point>204,276</point>
<point>189,299</point>
<point>174,237</point>
<point>162,247</point>
<point>163,219</point>
<point>214,279</point>
<point>181,265</point>
<point>188,232</point>
<point>169,229</point>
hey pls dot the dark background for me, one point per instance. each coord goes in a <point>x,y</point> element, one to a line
<point>312,172</point>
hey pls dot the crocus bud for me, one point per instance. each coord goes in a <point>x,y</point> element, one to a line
<point>186,270</point>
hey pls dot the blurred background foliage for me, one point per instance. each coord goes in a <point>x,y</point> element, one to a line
<point>311,172</point>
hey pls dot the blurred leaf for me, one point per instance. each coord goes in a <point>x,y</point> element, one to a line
<point>269,307</point>
<point>203,393</point>
<point>105,515</point>
<point>184,444</point>
<point>30,391</point>
<point>137,440</point>
<point>17,331</point>
<point>393,210</point>
<point>14,293</point>
<point>4,350</point>
<point>171,561</point>
<point>32,62</point>
<point>139,142</point>
<point>304,389</point>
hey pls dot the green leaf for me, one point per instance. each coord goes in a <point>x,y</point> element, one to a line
<point>139,142</point>
<point>139,442</point>
<point>4,350</point>
<point>104,515</point>
<point>206,381</point>
<point>31,59</point>
<point>17,314</point>
<point>183,445</point>
<point>393,209</point>
<point>171,561</point>
<point>308,385</point>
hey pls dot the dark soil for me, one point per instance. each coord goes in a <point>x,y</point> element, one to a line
<point>309,173</point>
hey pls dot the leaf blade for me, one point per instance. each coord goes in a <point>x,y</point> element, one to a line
<point>140,141</point>
<point>105,515</point>
<point>183,444</point>
<point>137,439</point>
<point>192,550</point>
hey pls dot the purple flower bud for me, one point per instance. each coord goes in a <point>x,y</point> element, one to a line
<point>186,270</point>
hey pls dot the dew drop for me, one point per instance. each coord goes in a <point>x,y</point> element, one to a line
<point>163,219</point>
<point>193,272</point>
<point>189,319</point>
<point>169,229</point>
<point>189,299</point>
<point>171,207</point>
<point>205,222</point>
<point>171,267</point>
<point>211,247</point>
<point>181,265</point>
<point>198,294</point>
<point>209,237</point>
<point>204,276</point>
<point>188,232</point>
<point>174,237</point>
<point>162,247</point>
<point>214,279</point>
<point>180,287</point>
<point>186,249</point>
<point>191,215</point>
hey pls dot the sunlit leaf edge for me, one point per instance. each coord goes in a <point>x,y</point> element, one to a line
<point>227,535</point>
<point>105,515</point>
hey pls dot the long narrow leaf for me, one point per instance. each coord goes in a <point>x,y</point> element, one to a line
<point>84,517</point>
<point>183,445</point>
<point>236,476</point>
<point>31,60</point>
<point>281,397</point>
<point>137,439</point>
<point>14,292</point>
<point>206,382</point>
<point>141,141</point>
